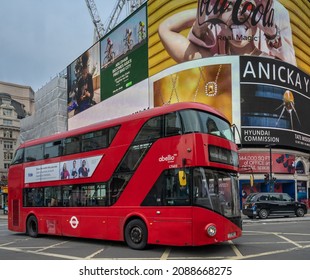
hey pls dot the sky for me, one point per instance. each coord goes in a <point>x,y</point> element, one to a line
<point>40,38</point>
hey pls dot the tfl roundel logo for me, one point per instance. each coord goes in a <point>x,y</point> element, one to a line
<point>74,222</point>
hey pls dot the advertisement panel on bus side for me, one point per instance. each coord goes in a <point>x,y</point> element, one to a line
<point>73,169</point>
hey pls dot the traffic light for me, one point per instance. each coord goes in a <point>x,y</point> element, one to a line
<point>266,178</point>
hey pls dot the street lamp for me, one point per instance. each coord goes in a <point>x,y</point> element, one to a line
<point>271,179</point>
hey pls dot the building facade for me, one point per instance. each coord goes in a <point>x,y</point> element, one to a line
<point>16,103</point>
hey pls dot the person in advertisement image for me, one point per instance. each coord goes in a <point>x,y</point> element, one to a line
<point>109,52</point>
<point>85,92</point>
<point>83,170</point>
<point>128,41</point>
<point>74,170</point>
<point>64,172</point>
<point>81,87</point>
<point>236,27</point>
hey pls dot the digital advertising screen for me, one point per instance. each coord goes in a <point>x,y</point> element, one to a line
<point>124,55</point>
<point>83,82</point>
<point>275,102</point>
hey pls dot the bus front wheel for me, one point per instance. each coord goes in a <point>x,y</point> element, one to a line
<point>32,226</point>
<point>136,234</point>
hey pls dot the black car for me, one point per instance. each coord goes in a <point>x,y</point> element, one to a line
<point>265,204</point>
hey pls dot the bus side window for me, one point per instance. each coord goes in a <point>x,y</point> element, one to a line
<point>168,191</point>
<point>72,145</point>
<point>34,153</point>
<point>18,157</point>
<point>173,124</point>
<point>150,131</point>
<point>53,149</point>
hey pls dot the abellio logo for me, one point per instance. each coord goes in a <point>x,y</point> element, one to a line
<point>168,158</point>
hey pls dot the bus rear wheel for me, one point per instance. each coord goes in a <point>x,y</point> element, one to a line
<point>32,226</point>
<point>136,234</point>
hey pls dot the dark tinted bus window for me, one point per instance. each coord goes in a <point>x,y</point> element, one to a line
<point>133,157</point>
<point>172,124</point>
<point>167,191</point>
<point>112,133</point>
<point>98,139</point>
<point>53,149</point>
<point>72,145</point>
<point>191,121</point>
<point>18,157</point>
<point>94,140</point>
<point>151,130</point>
<point>34,153</point>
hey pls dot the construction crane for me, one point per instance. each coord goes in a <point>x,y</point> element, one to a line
<point>99,29</point>
<point>114,17</point>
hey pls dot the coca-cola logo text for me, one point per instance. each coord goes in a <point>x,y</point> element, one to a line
<point>241,12</point>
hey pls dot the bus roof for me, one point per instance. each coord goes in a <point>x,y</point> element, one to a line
<point>157,111</point>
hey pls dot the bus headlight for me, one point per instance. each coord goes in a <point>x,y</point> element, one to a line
<point>210,230</point>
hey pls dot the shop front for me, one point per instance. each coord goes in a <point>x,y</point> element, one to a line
<point>285,171</point>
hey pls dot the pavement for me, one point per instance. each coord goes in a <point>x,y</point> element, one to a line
<point>2,215</point>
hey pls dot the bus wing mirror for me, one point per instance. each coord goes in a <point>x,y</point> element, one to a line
<point>182,178</point>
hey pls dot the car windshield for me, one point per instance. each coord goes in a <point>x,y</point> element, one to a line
<point>216,190</point>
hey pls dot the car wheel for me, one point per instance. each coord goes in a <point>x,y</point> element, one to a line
<point>263,214</point>
<point>300,212</point>
<point>136,234</point>
<point>32,226</point>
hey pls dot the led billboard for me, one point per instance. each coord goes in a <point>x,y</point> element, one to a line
<point>124,55</point>
<point>275,102</point>
<point>83,81</point>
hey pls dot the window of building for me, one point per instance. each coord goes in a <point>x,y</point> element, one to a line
<point>300,167</point>
<point>7,145</point>
<point>7,112</point>
<point>8,134</point>
<point>7,122</point>
<point>8,156</point>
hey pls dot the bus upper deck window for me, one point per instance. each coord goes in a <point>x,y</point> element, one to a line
<point>18,157</point>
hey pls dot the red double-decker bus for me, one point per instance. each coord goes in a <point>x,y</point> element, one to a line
<point>162,176</point>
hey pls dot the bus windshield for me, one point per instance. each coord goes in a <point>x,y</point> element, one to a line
<point>199,121</point>
<point>216,190</point>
